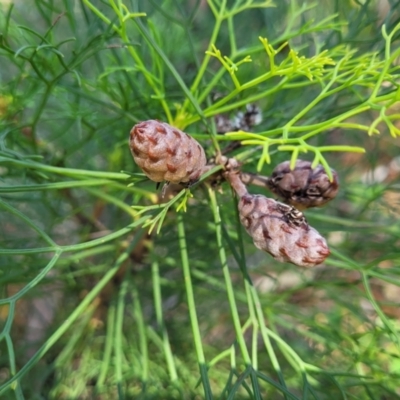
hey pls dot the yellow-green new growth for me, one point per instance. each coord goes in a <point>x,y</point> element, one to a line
<point>229,65</point>
<point>310,67</point>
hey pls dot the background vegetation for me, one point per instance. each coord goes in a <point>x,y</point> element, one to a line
<point>92,305</point>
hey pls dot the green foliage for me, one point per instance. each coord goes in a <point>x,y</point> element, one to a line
<point>138,298</point>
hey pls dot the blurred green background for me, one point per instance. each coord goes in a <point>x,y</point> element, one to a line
<point>94,307</point>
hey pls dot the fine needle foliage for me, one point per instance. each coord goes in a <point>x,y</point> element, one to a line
<point>108,290</point>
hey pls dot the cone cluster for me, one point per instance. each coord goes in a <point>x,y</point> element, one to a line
<point>165,153</point>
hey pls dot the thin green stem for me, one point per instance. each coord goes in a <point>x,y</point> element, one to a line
<point>119,339</point>
<point>55,185</point>
<point>80,246</point>
<point>138,313</point>
<point>108,347</point>
<point>73,172</point>
<point>155,272</point>
<point>228,282</point>
<point>192,307</point>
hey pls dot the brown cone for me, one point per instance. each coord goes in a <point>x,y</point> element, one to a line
<point>279,229</point>
<point>303,187</point>
<point>165,153</point>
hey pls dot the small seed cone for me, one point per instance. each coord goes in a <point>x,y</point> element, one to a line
<point>303,187</point>
<point>278,228</point>
<point>165,153</point>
